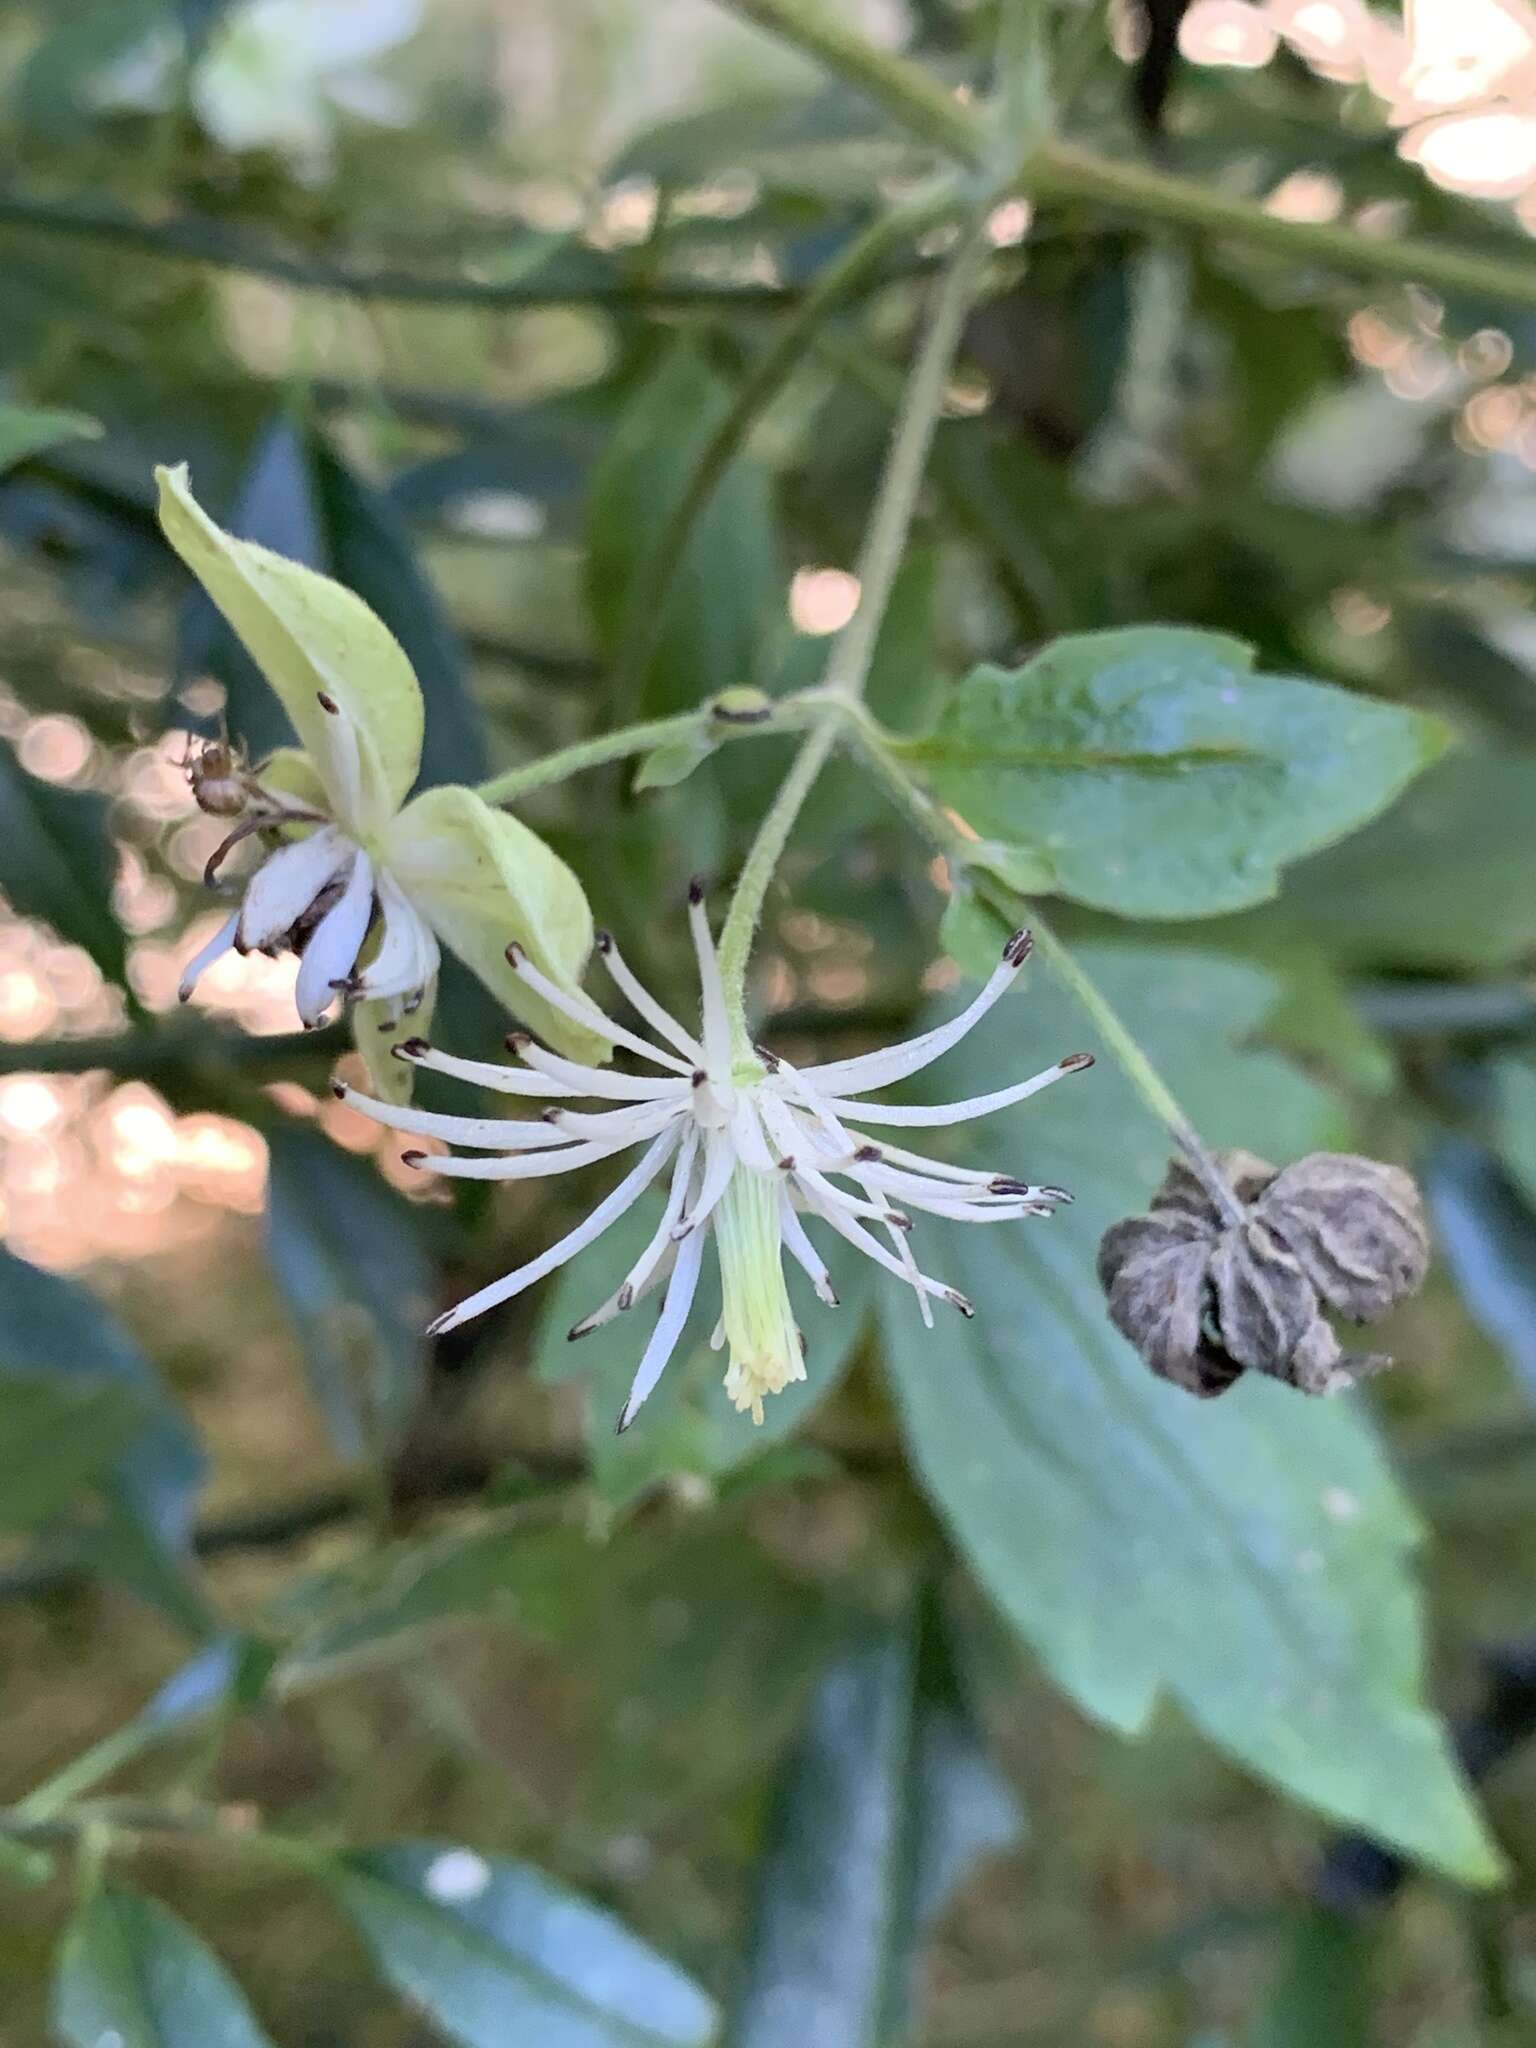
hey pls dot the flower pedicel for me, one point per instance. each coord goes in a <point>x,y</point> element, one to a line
<point>756,1149</point>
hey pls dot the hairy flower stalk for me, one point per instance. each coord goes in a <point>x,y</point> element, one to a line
<point>754,1150</point>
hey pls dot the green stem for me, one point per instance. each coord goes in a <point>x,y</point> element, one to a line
<point>934,823</point>
<point>1064,170</point>
<point>848,667</point>
<point>918,101</point>
<point>861,260</point>
<point>594,753</point>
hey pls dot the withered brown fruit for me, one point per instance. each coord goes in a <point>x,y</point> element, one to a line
<point>1208,1287</point>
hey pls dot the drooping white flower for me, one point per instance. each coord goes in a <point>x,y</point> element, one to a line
<point>755,1150</point>
<point>358,881</point>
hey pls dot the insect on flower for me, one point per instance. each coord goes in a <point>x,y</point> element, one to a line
<point>757,1149</point>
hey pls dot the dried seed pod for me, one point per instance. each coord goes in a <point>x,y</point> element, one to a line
<point>1356,1226</point>
<point>1205,1298</point>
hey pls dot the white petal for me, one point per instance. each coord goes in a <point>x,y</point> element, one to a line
<point>645,1003</point>
<point>599,1080</point>
<point>416,1052</point>
<point>669,1327</point>
<point>221,942</point>
<point>624,1196</point>
<point>287,883</point>
<point>582,1010</point>
<point>895,1062</point>
<point>485,1133</point>
<point>332,949</point>
<point>540,1165</point>
<point>872,1248</point>
<point>603,1124</point>
<point>931,1115</point>
<point>658,1254</point>
<point>803,1252</point>
<point>717,1030</point>
<point>408,956</point>
<point>719,1165</point>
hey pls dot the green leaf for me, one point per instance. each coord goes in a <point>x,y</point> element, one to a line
<point>58,1436</point>
<point>1447,878</point>
<point>1157,776</point>
<point>57,862</point>
<point>495,1951</point>
<point>729,591</point>
<point>27,430</point>
<point>1514,1119</point>
<point>886,1802</point>
<point>52,1325</point>
<point>688,1424</point>
<point>1487,1236</point>
<point>1247,1556</point>
<point>134,1976</point>
<point>346,1254</point>
<point>1322,1989</point>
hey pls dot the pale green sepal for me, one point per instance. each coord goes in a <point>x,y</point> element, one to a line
<point>482,879</point>
<point>289,772</point>
<point>376,1028</point>
<point>308,634</point>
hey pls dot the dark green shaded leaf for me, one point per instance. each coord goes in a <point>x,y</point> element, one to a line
<point>727,594</point>
<point>1157,776</point>
<point>58,863</point>
<point>276,505</point>
<point>346,1254</point>
<point>1447,878</point>
<point>1514,1114</point>
<point>496,1951</point>
<point>369,548</point>
<point>886,1802</point>
<point>51,1325</point>
<point>1488,1237</point>
<point>29,429</point>
<point>1321,1993</point>
<point>1248,1554</point>
<point>58,1436</point>
<point>131,1974</point>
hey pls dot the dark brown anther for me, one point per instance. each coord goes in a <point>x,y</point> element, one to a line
<point>412,1158</point>
<point>696,889</point>
<point>868,1154</point>
<point>339,1090</point>
<point>411,1049</point>
<point>514,953</point>
<point>603,941</point>
<point>328,703</point>
<point>518,1041</point>
<point>1019,947</point>
<point>1206,1295</point>
<point>1075,1062</point>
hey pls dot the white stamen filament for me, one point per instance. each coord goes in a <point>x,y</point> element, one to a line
<point>760,1147</point>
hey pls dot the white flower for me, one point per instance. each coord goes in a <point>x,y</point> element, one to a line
<point>361,879</point>
<point>754,1146</point>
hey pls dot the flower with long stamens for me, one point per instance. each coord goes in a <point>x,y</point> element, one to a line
<point>361,884</point>
<point>757,1153</point>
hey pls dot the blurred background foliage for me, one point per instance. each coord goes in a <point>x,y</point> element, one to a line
<point>440,1712</point>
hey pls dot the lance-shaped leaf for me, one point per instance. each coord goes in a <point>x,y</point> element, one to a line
<point>346,1255</point>
<point>58,1436</point>
<point>57,862</point>
<point>495,1951</point>
<point>131,1975</point>
<point>1155,775</point>
<point>310,638</point>
<point>886,1802</point>
<point>481,878</point>
<point>27,430</point>
<point>1247,1555</point>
